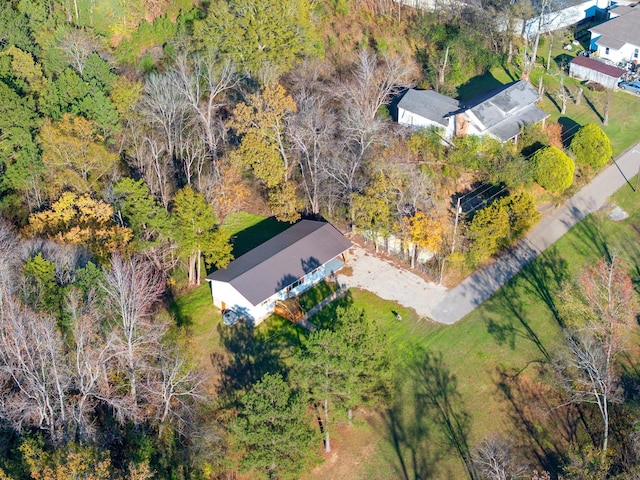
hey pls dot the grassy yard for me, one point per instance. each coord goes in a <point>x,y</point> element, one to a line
<point>494,354</point>
<point>624,109</point>
<point>485,366</point>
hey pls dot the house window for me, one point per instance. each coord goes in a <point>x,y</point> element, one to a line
<point>606,51</point>
<point>635,53</point>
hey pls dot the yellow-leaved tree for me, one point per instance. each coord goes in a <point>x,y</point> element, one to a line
<point>82,220</point>
<point>74,155</point>
<point>424,232</point>
<point>260,122</point>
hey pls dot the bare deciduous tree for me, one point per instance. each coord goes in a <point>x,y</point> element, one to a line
<point>202,81</point>
<point>150,155</point>
<point>164,106</point>
<point>373,82</point>
<point>8,261</point>
<point>176,384</point>
<point>133,289</point>
<point>311,131</point>
<point>77,45</point>
<point>91,355</point>
<point>33,371</point>
<point>596,310</point>
<point>587,374</point>
<point>496,459</point>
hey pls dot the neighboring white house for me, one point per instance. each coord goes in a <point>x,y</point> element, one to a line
<point>500,114</point>
<point>551,20</point>
<point>618,39</point>
<point>545,21</point>
<point>427,108</point>
<point>281,268</point>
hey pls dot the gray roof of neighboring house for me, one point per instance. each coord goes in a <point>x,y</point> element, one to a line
<point>607,41</point>
<point>510,127</point>
<point>620,30</point>
<point>282,260</point>
<point>429,104</point>
<point>504,110</point>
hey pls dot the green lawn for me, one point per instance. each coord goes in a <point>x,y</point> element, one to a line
<point>624,109</point>
<point>512,333</point>
<point>484,368</point>
<point>248,230</point>
<point>487,364</point>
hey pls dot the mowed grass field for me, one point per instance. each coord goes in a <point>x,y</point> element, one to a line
<point>486,366</point>
<point>485,369</point>
<point>493,358</point>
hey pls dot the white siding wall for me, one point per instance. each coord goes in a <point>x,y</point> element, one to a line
<point>225,292</point>
<point>625,54</point>
<point>552,21</point>
<point>411,119</point>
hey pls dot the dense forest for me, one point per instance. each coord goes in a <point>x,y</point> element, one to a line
<point>131,129</point>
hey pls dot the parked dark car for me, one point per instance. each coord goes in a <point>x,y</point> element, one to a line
<point>630,87</point>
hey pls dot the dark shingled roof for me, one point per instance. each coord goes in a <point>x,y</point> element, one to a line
<point>598,66</point>
<point>282,260</point>
<point>429,104</point>
<point>619,30</point>
<point>504,110</point>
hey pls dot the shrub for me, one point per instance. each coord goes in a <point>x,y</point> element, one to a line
<point>522,213</point>
<point>500,223</point>
<point>553,169</point>
<point>591,146</point>
<point>488,230</point>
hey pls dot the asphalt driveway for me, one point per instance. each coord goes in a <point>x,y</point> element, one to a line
<point>449,306</point>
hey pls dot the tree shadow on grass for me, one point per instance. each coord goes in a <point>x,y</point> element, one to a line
<point>504,329</point>
<point>249,238</point>
<point>545,276</point>
<point>325,318</point>
<point>553,100</point>
<point>590,239</point>
<point>541,277</point>
<point>540,428</point>
<point>427,424</point>
<point>246,360</point>
<point>569,129</point>
<point>592,106</point>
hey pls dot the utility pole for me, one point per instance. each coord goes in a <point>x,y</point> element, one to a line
<point>453,240</point>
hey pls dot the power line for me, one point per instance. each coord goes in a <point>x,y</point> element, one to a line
<point>531,169</point>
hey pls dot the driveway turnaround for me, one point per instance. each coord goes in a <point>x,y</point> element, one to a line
<point>380,276</point>
<point>475,289</point>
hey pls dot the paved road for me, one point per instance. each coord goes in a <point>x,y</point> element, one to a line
<point>475,289</point>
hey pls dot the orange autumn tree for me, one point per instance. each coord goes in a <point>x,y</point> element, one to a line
<point>81,220</point>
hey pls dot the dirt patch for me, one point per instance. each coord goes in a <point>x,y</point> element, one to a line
<point>352,446</point>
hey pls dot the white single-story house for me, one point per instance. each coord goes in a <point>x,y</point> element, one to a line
<point>428,108</point>
<point>592,69</point>
<point>500,113</point>
<point>281,268</point>
<point>618,39</point>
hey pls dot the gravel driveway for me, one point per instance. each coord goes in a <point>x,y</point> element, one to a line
<point>387,281</point>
